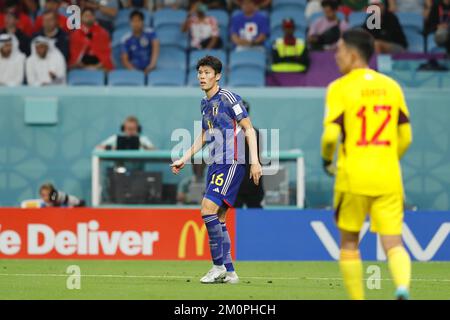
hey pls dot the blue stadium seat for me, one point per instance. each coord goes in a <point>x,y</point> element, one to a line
<point>289,4</point>
<point>86,78</point>
<point>197,54</point>
<point>123,18</point>
<point>193,81</point>
<point>223,21</point>
<point>248,58</point>
<point>166,17</point>
<point>173,78</point>
<point>356,19</point>
<point>415,40</point>
<point>411,20</point>
<point>246,77</point>
<point>172,58</point>
<point>116,56</point>
<point>118,35</point>
<point>432,47</point>
<point>221,16</point>
<point>126,78</point>
<point>171,36</point>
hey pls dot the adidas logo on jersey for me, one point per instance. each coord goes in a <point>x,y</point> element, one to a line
<point>216,190</point>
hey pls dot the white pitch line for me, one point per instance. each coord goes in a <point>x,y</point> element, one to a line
<point>125,276</point>
<point>340,279</point>
<point>187,276</point>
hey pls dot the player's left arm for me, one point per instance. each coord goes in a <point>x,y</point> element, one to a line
<point>250,135</point>
<point>404,131</point>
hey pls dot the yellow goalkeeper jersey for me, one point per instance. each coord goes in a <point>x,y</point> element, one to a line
<point>365,108</point>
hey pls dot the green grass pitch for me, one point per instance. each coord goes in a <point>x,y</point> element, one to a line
<point>46,279</point>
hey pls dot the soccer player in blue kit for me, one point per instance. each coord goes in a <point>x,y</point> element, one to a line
<point>225,125</point>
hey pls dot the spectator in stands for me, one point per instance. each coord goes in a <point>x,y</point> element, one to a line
<point>325,31</point>
<point>249,28</point>
<point>51,6</point>
<point>439,22</point>
<point>50,29</point>
<point>11,27</point>
<point>12,62</point>
<point>390,37</point>
<point>55,198</point>
<point>171,4</point>
<point>23,21</point>
<point>136,4</point>
<point>289,54</point>
<point>130,128</point>
<point>140,48</point>
<point>46,65</point>
<point>203,29</point>
<point>349,6</point>
<point>90,46</point>
<point>262,4</point>
<point>215,4</point>
<point>105,11</point>
<point>312,7</point>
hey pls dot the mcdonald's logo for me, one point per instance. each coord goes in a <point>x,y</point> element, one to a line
<point>199,238</point>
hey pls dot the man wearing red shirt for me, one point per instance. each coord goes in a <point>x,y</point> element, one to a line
<point>90,46</point>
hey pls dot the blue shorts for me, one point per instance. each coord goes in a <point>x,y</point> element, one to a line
<point>223,182</point>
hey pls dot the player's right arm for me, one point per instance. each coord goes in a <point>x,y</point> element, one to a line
<point>404,127</point>
<point>196,146</point>
<point>334,111</point>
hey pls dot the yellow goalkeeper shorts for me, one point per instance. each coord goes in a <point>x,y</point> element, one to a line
<point>385,211</point>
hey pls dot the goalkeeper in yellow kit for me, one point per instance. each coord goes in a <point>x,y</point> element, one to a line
<point>367,111</point>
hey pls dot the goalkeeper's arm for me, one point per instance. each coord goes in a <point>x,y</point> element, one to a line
<point>330,137</point>
<point>404,138</point>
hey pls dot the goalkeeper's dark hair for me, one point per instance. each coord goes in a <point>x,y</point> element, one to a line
<point>210,61</point>
<point>361,40</point>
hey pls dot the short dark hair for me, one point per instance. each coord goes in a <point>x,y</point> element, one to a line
<point>333,4</point>
<point>136,13</point>
<point>361,40</point>
<point>210,61</point>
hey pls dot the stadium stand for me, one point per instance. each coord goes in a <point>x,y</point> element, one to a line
<point>164,77</point>
<point>289,4</point>
<point>126,78</point>
<point>86,78</point>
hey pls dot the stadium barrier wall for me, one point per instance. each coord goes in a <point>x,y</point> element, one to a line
<point>168,234</point>
<point>122,234</point>
<point>61,152</point>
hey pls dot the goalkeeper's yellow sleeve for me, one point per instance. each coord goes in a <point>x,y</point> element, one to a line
<point>404,138</point>
<point>330,136</point>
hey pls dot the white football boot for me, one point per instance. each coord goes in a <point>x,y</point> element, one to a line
<point>215,275</point>
<point>231,277</point>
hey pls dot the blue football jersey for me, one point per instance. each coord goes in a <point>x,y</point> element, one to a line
<point>220,119</point>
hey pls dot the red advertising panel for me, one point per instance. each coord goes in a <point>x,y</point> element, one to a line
<point>153,234</point>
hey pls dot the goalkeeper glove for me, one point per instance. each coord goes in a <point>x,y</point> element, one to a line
<point>329,167</point>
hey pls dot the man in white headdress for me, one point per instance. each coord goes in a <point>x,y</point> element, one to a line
<point>46,65</point>
<point>12,61</point>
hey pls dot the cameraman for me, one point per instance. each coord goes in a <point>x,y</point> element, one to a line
<point>129,128</point>
<point>54,198</point>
